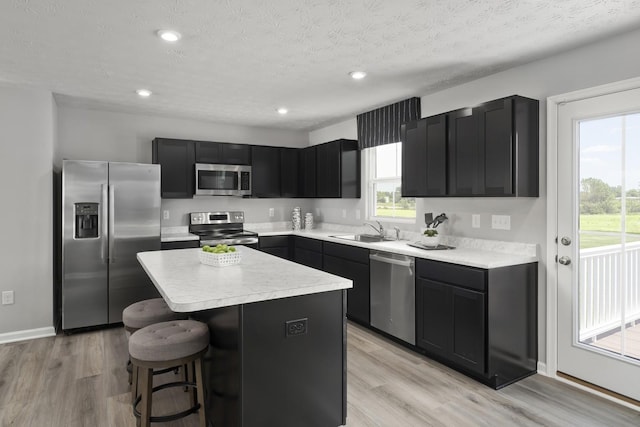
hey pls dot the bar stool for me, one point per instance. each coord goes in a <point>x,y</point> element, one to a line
<point>161,346</point>
<point>144,313</point>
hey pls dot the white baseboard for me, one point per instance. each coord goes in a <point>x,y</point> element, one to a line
<point>28,334</point>
<point>542,369</point>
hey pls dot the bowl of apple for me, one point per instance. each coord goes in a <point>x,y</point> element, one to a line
<point>220,255</point>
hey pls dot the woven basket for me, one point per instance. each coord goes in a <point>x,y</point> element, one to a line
<point>219,260</point>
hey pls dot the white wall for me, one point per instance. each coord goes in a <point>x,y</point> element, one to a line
<point>26,254</point>
<point>603,62</point>
<point>104,135</point>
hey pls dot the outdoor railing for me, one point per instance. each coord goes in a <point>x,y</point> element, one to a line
<point>602,270</point>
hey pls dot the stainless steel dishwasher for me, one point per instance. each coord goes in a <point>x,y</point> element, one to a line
<point>393,294</point>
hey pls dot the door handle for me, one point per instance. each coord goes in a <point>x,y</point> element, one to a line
<point>104,215</point>
<point>112,223</point>
<point>564,260</point>
<point>565,241</point>
<point>379,258</point>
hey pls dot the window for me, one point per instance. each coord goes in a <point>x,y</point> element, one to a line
<point>385,183</point>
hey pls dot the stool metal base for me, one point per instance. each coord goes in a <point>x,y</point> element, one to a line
<point>170,417</point>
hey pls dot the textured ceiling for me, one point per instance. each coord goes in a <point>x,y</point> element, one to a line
<point>238,60</point>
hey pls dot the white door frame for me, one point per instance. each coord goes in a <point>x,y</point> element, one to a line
<point>552,224</point>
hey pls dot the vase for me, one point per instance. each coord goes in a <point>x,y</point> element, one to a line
<point>430,241</point>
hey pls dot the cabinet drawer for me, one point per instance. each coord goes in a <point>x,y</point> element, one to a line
<point>459,275</point>
<point>180,244</point>
<point>309,244</point>
<point>347,252</point>
<point>274,241</point>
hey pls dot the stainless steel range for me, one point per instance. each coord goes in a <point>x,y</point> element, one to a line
<point>227,228</point>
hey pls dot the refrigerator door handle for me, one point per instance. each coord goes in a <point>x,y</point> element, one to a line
<point>103,223</point>
<point>112,223</point>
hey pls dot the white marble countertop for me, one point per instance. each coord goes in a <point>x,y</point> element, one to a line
<point>176,234</point>
<point>187,285</point>
<point>471,252</point>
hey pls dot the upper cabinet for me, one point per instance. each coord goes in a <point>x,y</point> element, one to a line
<point>488,150</point>
<point>289,172</point>
<point>266,171</point>
<point>338,169</point>
<point>222,153</point>
<point>307,176</point>
<point>424,157</point>
<point>176,159</point>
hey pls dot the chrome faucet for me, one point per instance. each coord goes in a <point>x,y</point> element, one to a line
<point>397,229</point>
<point>380,230</point>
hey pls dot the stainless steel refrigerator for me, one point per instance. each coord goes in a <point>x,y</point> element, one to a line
<point>110,212</point>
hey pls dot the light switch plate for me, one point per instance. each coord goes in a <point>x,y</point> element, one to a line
<point>272,212</point>
<point>501,222</point>
<point>7,297</point>
<point>475,221</point>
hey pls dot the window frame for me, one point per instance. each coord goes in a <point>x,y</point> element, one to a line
<point>371,180</point>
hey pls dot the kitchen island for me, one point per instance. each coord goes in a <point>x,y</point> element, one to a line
<point>278,336</point>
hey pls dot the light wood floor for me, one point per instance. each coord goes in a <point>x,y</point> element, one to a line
<point>80,380</point>
<point>613,342</point>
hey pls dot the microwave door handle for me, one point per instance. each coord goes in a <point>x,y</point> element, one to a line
<point>112,223</point>
<point>104,201</point>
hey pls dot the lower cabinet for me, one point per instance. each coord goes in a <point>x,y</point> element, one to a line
<point>182,244</point>
<point>307,252</point>
<point>279,246</point>
<point>351,263</point>
<point>482,322</point>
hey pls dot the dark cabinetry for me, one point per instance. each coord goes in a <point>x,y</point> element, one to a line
<point>338,169</point>
<point>289,172</point>
<point>183,244</point>
<point>424,157</point>
<point>222,153</point>
<point>308,172</point>
<point>280,246</point>
<point>351,263</point>
<point>307,252</point>
<point>176,158</point>
<point>481,321</point>
<point>266,171</point>
<point>488,150</point>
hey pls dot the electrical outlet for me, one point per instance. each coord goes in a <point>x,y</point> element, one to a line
<point>344,213</point>
<point>296,327</point>
<point>165,214</point>
<point>501,222</point>
<point>272,212</point>
<point>475,221</point>
<point>7,297</point>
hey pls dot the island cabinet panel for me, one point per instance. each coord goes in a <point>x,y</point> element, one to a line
<point>176,158</point>
<point>265,171</point>
<point>351,263</point>
<point>280,246</point>
<point>307,176</point>
<point>308,252</point>
<point>289,172</point>
<point>424,157</point>
<point>481,322</point>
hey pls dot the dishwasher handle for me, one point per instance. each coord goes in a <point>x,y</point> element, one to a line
<point>380,258</point>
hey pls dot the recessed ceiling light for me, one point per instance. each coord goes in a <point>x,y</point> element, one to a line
<point>282,111</point>
<point>357,75</point>
<point>144,93</point>
<point>169,35</point>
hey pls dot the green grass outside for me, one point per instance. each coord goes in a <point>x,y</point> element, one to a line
<point>398,213</point>
<point>607,223</point>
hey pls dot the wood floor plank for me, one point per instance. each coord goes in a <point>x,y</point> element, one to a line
<point>81,380</point>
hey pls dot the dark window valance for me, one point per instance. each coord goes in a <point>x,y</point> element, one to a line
<point>382,125</point>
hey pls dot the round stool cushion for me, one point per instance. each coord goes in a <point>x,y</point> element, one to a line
<point>148,312</point>
<point>169,340</point>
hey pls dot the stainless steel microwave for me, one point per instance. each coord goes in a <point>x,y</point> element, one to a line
<point>223,180</point>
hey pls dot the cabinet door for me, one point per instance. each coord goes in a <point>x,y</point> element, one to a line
<point>308,172</point>
<point>433,317</point>
<point>358,304</point>
<point>236,154</point>
<point>309,258</point>
<point>266,171</point>
<point>279,246</point>
<point>464,179</point>
<point>468,320</point>
<point>496,147</point>
<point>289,172</point>
<point>328,170</point>
<point>208,152</point>
<point>414,158</point>
<point>176,159</point>
<point>349,169</point>
<point>436,162</point>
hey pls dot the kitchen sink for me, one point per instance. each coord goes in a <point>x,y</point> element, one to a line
<point>369,238</point>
